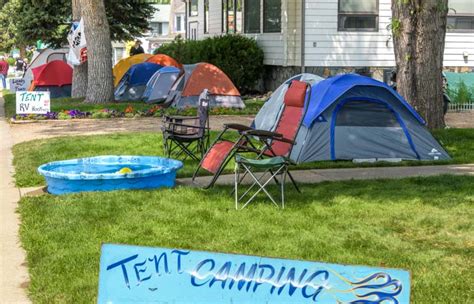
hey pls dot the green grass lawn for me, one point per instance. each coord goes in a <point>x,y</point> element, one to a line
<point>29,155</point>
<point>424,225</point>
<point>61,104</point>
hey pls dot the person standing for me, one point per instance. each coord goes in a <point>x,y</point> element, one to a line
<point>19,66</point>
<point>137,48</point>
<point>3,71</point>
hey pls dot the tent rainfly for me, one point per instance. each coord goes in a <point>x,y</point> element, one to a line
<point>44,57</point>
<point>125,64</point>
<point>160,84</point>
<point>133,83</point>
<point>352,117</point>
<point>55,77</point>
<point>197,77</point>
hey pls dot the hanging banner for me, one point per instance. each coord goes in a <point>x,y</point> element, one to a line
<point>132,274</point>
<point>77,44</point>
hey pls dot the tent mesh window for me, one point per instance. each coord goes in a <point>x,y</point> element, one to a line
<point>366,114</point>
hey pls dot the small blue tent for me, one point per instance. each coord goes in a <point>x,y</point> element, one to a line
<point>351,117</point>
<point>133,83</point>
<point>160,84</point>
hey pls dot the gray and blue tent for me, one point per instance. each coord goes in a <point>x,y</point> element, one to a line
<point>160,84</point>
<point>350,117</point>
<point>133,83</point>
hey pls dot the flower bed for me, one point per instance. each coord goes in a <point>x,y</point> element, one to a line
<point>129,112</point>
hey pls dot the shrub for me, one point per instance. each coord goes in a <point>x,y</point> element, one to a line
<point>11,61</point>
<point>238,56</point>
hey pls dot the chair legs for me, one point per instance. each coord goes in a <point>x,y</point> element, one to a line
<point>194,149</point>
<point>260,182</point>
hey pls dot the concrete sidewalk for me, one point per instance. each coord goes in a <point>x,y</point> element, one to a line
<point>321,175</point>
<point>13,272</point>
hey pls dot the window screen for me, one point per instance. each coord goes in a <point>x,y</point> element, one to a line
<point>271,16</point>
<point>252,16</point>
<point>193,8</point>
<point>461,15</point>
<point>206,16</point>
<point>356,15</point>
<point>366,114</point>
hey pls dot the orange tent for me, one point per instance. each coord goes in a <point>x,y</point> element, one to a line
<point>208,76</point>
<point>197,77</point>
<point>164,60</point>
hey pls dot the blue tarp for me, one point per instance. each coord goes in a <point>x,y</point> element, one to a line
<point>328,91</point>
<point>455,79</point>
<point>139,74</point>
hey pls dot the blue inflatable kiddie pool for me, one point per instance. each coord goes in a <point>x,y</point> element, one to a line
<point>106,173</point>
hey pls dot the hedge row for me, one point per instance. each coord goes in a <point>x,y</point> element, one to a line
<point>238,56</point>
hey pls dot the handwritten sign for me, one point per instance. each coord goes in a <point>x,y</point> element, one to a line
<point>147,275</point>
<point>32,102</point>
<point>17,84</point>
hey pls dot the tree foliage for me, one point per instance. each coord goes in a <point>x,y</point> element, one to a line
<point>26,21</point>
<point>8,29</point>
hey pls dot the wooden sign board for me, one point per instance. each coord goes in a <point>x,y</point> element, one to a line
<point>160,275</point>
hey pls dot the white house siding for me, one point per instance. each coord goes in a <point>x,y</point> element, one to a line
<point>280,49</point>
<point>325,46</point>
<point>455,46</point>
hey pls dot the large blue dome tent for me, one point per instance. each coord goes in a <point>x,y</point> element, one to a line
<point>352,117</point>
<point>133,83</point>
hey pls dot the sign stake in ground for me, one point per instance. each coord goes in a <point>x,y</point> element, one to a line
<point>32,102</point>
<point>161,275</point>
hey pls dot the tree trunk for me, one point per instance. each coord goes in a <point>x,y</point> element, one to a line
<point>22,51</point>
<point>419,29</point>
<point>79,73</point>
<point>100,86</point>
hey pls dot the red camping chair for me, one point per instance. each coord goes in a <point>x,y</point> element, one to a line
<point>277,143</point>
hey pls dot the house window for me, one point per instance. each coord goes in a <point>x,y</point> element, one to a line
<point>461,16</point>
<point>206,16</point>
<point>156,28</point>
<point>238,16</point>
<point>271,16</point>
<point>193,8</point>
<point>252,16</point>
<point>179,23</point>
<point>232,16</point>
<point>356,15</point>
<point>224,16</point>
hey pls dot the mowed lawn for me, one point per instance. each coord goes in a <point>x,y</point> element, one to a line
<point>424,225</point>
<point>29,155</point>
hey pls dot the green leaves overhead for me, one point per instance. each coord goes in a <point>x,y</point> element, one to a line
<point>22,22</point>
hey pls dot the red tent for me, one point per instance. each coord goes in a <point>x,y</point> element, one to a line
<point>56,73</point>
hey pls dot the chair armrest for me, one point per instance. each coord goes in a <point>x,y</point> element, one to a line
<point>263,133</point>
<point>180,117</point>
<point>237,127</point>
<point>187,126</point>
<point>285,140</point>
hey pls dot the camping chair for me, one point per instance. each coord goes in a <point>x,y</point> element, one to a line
<point>273,166</point>
<point>277,143</point>
<point>188,135</point>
